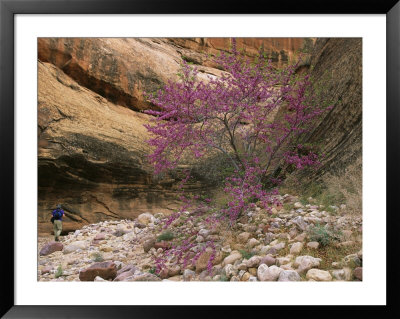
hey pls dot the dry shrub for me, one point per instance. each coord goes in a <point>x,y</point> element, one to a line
<point>347,186</point>
<point>344,188</point>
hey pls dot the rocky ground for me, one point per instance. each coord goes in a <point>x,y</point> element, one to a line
<point>298,242</point>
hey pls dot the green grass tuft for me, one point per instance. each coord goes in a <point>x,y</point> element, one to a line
<point>246,254</point>
<point>323,235</point>
<point>59,272</point>
<point>167,235</point>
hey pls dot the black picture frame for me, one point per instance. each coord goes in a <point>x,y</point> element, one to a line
<point>8,10</point>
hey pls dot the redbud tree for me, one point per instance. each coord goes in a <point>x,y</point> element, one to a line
<point>253,115</point>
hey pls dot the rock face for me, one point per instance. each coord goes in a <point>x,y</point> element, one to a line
<point>91,141</point>
<point>337,62</point>
<point>92,156</point>
<point>121,69</point>
<point>92,149</point>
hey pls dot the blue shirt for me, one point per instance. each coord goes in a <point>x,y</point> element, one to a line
<point>57,211</point>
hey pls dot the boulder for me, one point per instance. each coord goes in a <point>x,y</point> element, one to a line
<point>265,273</point>
<point>162,244</point>
<point>234,256</point>
<point>82,245</point>
<point>145,218</point>
<point>296,248</point>
<point>318,275</point>
<point>148,244</point>
<point>125,272</point>
<point>106,270</point>
<point>289,275</point>
<point>243,237</point>
<point>342,274</point>
<point>313,245</point>
<point>358,273</point>
<point>229,271</point>
<point>268,260</point>
<point>50,248</point>
<point>304,263</point>
<point>253,242</point>
<point>351,261</point>
<point>46,269</point>
<point>300,223</point>
<point>283,260</point>
<point>254,262</point>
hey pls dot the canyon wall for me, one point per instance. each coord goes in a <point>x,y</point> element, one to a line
<point>336,65</point>
<point>91,141</point>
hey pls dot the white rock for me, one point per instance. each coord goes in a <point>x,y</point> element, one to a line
<point>313,244</point>
<point>230,271</point>
<point>279,246</point>
<point>283,260</point>
<point>296,248</point>
<point>253,242</point>
<point>342,274</point>
<point>289,275</point>
<point>145,218</point>
<point>204,232</point>
<point>305,263</point>
<point>235,255</point>
<point>82,245</point>
<point>243,237</point>
<point>226,249</point>
<point>319,275</point>
<point>298,205</point>
<point>265,273</point>
<point>299,221</point>
<point>253,262</point>
<point>264,249</point>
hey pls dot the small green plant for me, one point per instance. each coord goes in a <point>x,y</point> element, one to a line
<point>246,254</point>
<point>323,235</point>
<point>152,270</point>
<point>97,257</point>
<point>167,235</point>
<point>59,272</point>
<point>223,278</point>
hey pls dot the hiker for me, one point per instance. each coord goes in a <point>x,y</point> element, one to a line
<point>58,213</point>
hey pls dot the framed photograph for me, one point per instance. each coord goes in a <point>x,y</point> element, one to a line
<point>156,154</point>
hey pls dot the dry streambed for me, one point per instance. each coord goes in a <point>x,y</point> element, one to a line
<point>295,243</point>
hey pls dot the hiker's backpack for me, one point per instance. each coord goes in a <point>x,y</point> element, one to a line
<point>58,214</point>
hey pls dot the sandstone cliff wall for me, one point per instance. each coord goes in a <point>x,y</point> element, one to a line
<point>336,63</point>
<point>91,140</point>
